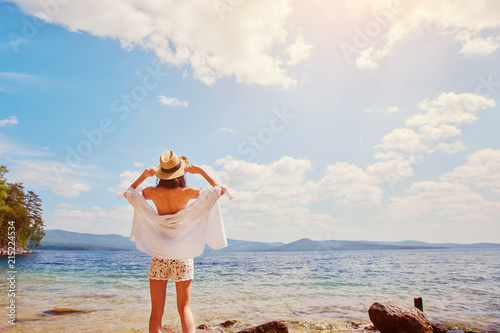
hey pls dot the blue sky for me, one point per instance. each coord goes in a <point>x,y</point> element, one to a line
<point>372,120</point>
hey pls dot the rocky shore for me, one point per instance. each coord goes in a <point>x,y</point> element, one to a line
<point>277,326</point>
<point>386,317</point>
<point>405,324</point>
<point>19,250</point>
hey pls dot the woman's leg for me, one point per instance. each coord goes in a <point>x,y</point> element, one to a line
<point>183,290</point>
<point>158,290</point>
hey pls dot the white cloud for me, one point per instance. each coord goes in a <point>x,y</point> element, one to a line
<point>435,133</point>
<point>403,149</point>
<point>394,169</point>
<point>172,101</point>
<point>449,148</point>
<point>474,45</point>
<point>127,178</point>
<point>137,164</point>
<point>365,59</point>
<point>14,79</point>
<point>393,109</point>
<point>473,23</point>
<point>17,76</point>
<point>35,167</point>
<point>7,91</point>
<point>447,201</point>
<point>61,179</point>
<point>271,196</point>
<point>226,130</point>
<point>11,120</point>
<point>450,108</point>
<point>404,139</point>
<point>389,155</point>
<point>14,150</point>
<point>276,196</point>
<point>482,169</point>
<point>284,182</point>
<point>349,185</point>
<point>439,117</point>
<point>299,51</point>
<point>251,176</point>
<point>232,41</point>
<point>94,220</point>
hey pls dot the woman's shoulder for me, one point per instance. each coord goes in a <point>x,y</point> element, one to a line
<point>148,192</point>
<point>189,188</point>
<point>190,191</point>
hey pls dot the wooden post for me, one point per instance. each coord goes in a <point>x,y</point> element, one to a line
<point>419,303</point>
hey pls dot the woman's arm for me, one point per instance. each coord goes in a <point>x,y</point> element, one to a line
<point>149,172</point>
<point>194,169</point>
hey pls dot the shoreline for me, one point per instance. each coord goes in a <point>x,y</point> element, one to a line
<point>233,325</point>
<point>46,321</point>
<point>228,326</point>
<point>293,326</point>
<point>336,326</point>
<point>296,326</point>
<point>6,250</point>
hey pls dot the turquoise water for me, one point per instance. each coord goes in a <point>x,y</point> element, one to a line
<point>459,287</point>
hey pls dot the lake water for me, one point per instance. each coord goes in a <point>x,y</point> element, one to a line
<point>310,290</point>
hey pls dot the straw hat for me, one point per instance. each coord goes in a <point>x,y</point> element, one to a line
<point>171,166</point>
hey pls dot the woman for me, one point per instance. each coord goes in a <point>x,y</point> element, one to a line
<point>176,232</point>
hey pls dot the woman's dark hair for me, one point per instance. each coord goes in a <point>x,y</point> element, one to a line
<point>171,183</point>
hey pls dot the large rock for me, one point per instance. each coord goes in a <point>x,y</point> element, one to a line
<point>389,317</point>
<point>207,327</point>
<point>228,323</point>
<point>271,327</point>
<point>439,328</point>
<point>6,250</point>
<point>64,311</point>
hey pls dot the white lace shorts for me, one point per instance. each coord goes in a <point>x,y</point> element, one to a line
<point>171,269</point>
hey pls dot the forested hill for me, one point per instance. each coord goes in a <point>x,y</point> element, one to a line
<point>67,240</point>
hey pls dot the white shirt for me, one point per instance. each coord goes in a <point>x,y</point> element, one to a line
<point>181,235</point>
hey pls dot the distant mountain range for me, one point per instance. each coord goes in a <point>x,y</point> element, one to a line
<point>67,240</point>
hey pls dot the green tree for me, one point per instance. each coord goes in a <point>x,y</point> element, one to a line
<point>23,208</point>
<point>17,212</point>
<point>3,191</point>
<point>34,233</point>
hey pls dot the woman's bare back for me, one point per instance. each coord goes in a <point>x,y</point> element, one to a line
<point>170,201</point>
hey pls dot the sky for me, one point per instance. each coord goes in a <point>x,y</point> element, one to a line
<point>348,120</point>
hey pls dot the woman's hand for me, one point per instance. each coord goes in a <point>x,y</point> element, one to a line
<point>150,172</point>
<point>194,169</point>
